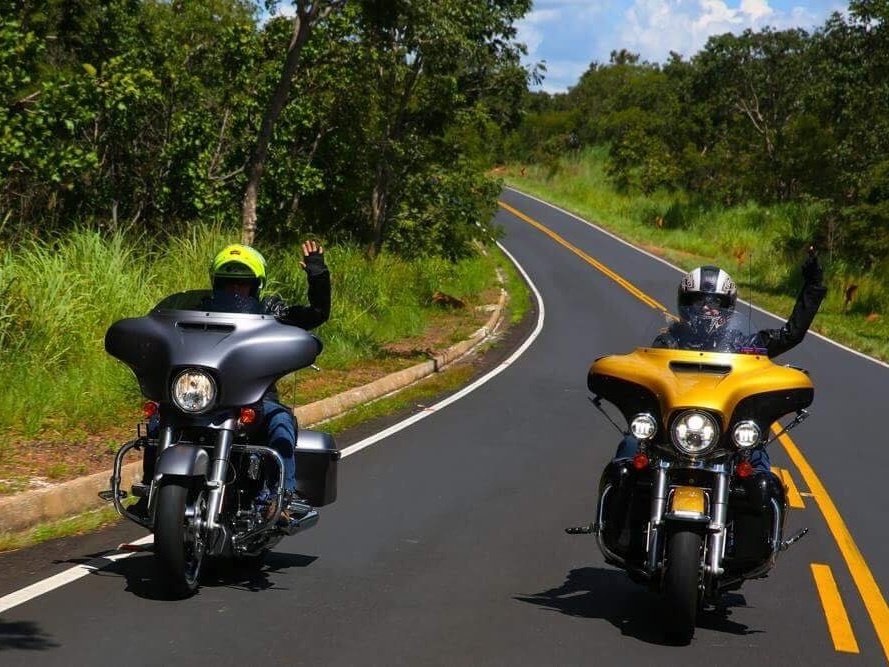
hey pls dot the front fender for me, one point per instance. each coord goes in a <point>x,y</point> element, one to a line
<point>182,460</point>
<point>688,503</point>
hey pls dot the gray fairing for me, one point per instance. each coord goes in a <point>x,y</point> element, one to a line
<point>245,352</point>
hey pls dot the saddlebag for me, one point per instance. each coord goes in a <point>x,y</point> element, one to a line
<point>316,466</point>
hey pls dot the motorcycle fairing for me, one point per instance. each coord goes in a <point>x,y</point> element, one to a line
<point>250,351</point>
<point>725,384</point>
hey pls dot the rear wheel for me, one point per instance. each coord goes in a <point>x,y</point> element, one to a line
<point>178,540</point>
<point>681,584</point>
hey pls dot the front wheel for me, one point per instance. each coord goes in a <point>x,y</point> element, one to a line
<point>681,584</point>
<point>178,540</point>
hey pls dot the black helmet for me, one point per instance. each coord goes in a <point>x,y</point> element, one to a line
<point>706,299</point>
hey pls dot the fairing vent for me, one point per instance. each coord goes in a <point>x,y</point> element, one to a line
<point>694,367</point>
<point>206,326</point>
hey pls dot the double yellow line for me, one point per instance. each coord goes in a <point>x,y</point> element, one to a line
<point>623,282</point>
<point>873,599</point>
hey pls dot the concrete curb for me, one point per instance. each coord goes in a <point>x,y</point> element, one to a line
<point>24,510</point>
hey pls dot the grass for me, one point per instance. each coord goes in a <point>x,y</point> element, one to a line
<point>762,247</point>
<point>80,524</point>
<point>61,297</point>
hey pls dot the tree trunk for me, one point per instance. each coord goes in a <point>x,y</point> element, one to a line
<point>379,204</point>
<point>307,15</point>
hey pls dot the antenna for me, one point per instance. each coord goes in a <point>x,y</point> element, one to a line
<point>749,302</point>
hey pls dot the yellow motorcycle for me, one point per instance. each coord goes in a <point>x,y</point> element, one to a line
<point>687,508</point>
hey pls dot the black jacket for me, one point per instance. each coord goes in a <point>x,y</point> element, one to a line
<point>773,341</point>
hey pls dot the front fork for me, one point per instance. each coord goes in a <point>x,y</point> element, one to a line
<point>215,484</point>
<point>665,508</point>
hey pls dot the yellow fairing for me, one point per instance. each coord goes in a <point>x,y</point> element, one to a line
<point>687,499</point>
<point>707,380</point>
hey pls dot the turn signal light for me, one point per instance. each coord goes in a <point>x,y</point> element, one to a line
<point>149,409</point>
<point>640,461</point>
<point>744,469</point>
<point>248,416</point>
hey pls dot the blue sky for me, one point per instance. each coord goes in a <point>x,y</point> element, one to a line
<point>571,34</point>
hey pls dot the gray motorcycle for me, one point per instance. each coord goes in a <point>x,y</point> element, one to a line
<point>204,365</point>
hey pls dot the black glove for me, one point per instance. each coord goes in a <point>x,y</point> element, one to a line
<point>813,274</point>
<point>314,264</point>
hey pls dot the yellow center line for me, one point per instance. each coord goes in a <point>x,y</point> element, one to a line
<point>623,282</point>
<point>864,580</point>
<point>834,611</point>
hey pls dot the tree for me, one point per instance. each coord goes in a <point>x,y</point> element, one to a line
<point>430,64</point>
<point>308,14</point>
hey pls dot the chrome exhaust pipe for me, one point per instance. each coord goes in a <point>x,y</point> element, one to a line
<point>303,523</point>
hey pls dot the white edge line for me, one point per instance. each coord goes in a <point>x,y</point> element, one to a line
<point>673,266</point>
<point>367,442</point>
<point>39,588</point>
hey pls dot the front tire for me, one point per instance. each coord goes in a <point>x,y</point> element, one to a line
<point>178,542</point>
<point>682,584</point>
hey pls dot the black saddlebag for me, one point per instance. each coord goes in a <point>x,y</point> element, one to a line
<point>316,466</point>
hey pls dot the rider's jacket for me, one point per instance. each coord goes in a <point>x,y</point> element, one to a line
<point>307,317</point>
<point>730,338</point>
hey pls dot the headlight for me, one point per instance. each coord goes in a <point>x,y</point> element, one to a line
<point>643,426</point>
<point>193,390</point>
<point>694,432</point>
<point>746,434</point>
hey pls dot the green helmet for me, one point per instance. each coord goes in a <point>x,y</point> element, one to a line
<point>238,262</point>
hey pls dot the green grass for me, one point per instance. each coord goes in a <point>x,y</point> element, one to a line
<point>75,525</point>
<point>762,247</point>
<point>60,297</point>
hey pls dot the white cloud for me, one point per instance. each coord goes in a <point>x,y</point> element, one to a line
<point>570,34</point>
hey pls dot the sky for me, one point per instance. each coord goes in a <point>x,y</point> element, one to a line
<point>571,34</point>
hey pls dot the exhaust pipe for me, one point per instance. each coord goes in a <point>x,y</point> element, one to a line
<point>303,523</point>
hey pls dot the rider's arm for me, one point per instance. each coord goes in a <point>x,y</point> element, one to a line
<point>318,310</point>
<point>777,341</point>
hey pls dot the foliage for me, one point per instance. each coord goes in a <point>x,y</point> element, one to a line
<point>147,113</point>
<point>59,297</point>
<point>769,116</point>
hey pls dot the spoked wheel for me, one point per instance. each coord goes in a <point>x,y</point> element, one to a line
<point>178,540</point>
<point>681,584</point>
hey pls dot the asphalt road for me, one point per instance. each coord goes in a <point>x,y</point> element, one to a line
<point>447,544</point>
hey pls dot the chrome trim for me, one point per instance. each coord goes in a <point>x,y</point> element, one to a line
<point>715,550</point>
<point>659,492</point>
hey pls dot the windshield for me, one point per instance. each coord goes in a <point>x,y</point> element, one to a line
<point>705,328</point>
<point>213,301</point>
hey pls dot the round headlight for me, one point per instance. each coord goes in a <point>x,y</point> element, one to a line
<point>643,426</point>
<point>193,390</point>
<point>694,432</point>
<point>746,434</point>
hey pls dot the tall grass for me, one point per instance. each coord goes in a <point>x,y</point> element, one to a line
<point>58,299</point>
<point>762,246</point>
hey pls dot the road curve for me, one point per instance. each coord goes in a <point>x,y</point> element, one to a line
<point>446,545</point>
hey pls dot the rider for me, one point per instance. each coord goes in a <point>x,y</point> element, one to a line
<point>237,276</point>
<point>706,301</point>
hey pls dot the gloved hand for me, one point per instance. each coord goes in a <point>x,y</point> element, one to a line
<point>313,262</point>
<point>813,274</point>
